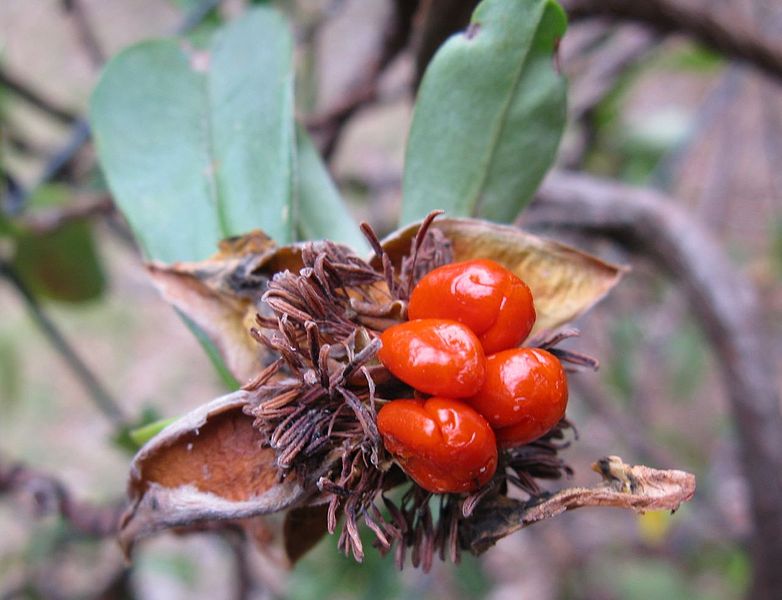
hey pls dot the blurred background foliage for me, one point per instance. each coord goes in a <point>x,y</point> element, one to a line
<point>80,321</point>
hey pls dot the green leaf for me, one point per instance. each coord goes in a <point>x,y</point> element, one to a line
<point>196,146</point>
<point>489,114</point>
<point>10,374</point>
<point>141,435</point>
<point>323,212</point>
<point>132,436</point>
<point>61,265</point>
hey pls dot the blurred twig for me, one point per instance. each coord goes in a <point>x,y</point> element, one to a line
<point>709,114</point>
<point>329,126</point>
<point>610,61</point>
<point>732,38</point>
<point>48,495</point>
<point>87,36</point>
<point>244,580</point>
<point>80,132</point>
<point>441,19</point>
<point>35,98</point>
<point>52,219</point>
<point>600,76</point>
<point>118,587</point>
<point>95,389</point>
<point>727,306</point>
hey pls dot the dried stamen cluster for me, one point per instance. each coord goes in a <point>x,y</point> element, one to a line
<point>316,406</point>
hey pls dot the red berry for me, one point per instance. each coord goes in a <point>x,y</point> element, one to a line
<point>524,395</point>
<point>442,444</point>
<point>435,356</point>
<point>483,295</point>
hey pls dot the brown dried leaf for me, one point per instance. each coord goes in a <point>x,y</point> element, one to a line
<point>207,466</point>
<point>304,527</point>
<point>635,487</point>
<point>565,282</point>
<point>220,295</point>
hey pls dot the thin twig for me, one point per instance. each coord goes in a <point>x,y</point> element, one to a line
<point>244,580</point>
<point>49,495</point>
<point>80,132</point>
<point>364,90</point>
<point>50,220</point>
<point>726,304</point>
<point>732,38</point>
<point>709,114</point>
<point>34,98</point>
<point>85,31</point>
<point>607,64</point>
<point>95,389</point>
<point>442,18</point>
<point>621,51</point>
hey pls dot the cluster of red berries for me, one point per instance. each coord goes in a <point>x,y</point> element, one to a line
<point>460,347</point>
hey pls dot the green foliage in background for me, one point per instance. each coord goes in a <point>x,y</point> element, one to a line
<point>489,115</point>
<point>61,265</point>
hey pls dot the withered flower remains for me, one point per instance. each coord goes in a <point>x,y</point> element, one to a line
<point>302,435</point>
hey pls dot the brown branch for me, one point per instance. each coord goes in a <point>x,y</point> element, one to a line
<point>732,38</point>
<point>244,580</point>
<point>624,486</point>
<point>618,54</point>
<point>48,495</point>
<point>727,306</point>
<point>603,70</point>
<point>330,125</point>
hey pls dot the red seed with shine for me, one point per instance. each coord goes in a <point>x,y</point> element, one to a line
<point>483,295</point>
<point>435,356</point>
<point>442,444</point>
<point>523,396</point>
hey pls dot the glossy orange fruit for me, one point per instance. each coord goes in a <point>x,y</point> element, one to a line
<point>483,295</point>
<point>524,394</point>
<point>443,445</point>
<point>435,356</point>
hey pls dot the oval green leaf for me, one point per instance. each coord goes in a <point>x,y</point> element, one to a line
<point>489,115</point>
<point>196,146</point>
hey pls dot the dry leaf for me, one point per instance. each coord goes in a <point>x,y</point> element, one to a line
<point>304,528</point>
<point>635,487</point>
<point>565,282</point>
<point>221,295</point>
<point>207,466</point>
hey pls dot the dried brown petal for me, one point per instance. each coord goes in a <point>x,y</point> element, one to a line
<point>635,487</point>
<point>565,282</point>
<point>304,528</point>
<point>220,294</point>
<point>207,466</point>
